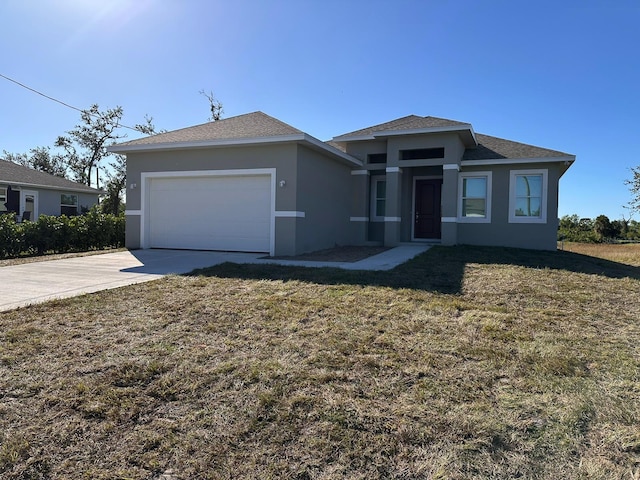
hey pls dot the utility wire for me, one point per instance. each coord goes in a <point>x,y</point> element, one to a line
<point>59,101</point>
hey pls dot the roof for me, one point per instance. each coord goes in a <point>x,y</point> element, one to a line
<point>412,125</point>
<point>249,125</point>
<point>410,122</point>
<point>492,148</point>
<point>250,128</point>
<point>15,174</point>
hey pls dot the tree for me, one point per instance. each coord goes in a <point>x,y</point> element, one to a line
<point>214,105</point>
<point>117,176</point>
<point>41,159</point>
<point>634,187</point>
<point>86,144</point>
<point>116,184</point>
<point>602,227</point>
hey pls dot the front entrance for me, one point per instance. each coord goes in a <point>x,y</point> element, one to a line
<point>427,209</point>
<point>29,205</point>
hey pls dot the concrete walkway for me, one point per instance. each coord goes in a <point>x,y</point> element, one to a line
<point>38,282</point>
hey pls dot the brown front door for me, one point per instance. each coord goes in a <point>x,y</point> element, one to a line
<point>427,209</point>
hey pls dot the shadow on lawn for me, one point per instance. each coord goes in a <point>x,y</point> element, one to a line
<point>441,269</point>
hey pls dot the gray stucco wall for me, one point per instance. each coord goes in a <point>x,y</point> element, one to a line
<point>521,235</point>
<point>282,157</point>
<point>324,194</point>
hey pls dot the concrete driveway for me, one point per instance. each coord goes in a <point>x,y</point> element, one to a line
<point>38,282</point>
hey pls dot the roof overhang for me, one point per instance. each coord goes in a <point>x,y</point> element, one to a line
<point>51,187</point>
<point>465,132</point>
<point>300,138</point>
<point>566,161</point>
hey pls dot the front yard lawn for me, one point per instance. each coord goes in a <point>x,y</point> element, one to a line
<point>464,363</point>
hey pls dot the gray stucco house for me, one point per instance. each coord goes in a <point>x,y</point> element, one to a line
<point>254,183</point>
<point>29,193</point>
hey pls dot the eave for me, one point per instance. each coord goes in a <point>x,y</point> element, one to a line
<point>465,132</point>
<point>51,187</point>
<point>566,161</point>
<point>301,138</point>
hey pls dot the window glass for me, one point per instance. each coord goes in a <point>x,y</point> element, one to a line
<point>474,189</point>
<point>422,154</point>
<point>377,158</point>
<point>3,199</point>
<point>381,197</point>
<point>527,197</point>
<point>68,204</point>
<point>474,195</point>
<point>378,198</point>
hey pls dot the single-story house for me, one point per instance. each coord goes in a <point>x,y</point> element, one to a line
<point>30,193</point>
<point>254,183</point>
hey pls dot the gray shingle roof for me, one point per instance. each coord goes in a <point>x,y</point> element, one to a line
<point>250,125</point>
<point>12,173</point>
<point>410,122</point>
<point>490,148</point>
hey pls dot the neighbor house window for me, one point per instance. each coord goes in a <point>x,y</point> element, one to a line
<point>378,198</point>
<point>528,196</point>
<point>422,153</point>
<point>3,199</point>
<point>474,203</point>
<point>68,205</point>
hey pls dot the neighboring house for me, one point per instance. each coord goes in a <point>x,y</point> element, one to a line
<point>254,183</point>
<point>30,193</point>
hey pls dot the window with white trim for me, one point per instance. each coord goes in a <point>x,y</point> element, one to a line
<point>474,197</point>
<point>528,196</point>
<point>378,197</point>
<point>3,199</point>
<point>68,204</point>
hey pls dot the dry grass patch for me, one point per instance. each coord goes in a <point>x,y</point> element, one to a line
<point>628,253</point>
<point>464,363</point>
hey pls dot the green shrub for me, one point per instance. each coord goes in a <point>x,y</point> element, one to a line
<point>92,231</point>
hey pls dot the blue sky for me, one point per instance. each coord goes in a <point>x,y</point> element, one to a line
<point>562,75</point>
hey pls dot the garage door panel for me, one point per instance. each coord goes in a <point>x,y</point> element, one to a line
<point>211,213</point>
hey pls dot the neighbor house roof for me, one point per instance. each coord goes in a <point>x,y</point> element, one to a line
<point>493,148</point>
<point>15,174</point>
<point>250,128</point>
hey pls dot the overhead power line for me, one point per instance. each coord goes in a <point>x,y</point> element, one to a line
<point>58,101</point>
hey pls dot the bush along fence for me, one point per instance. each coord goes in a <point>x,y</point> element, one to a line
<point>91,231</point>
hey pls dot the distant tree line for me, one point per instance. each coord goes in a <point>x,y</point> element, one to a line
<point>572,228</point>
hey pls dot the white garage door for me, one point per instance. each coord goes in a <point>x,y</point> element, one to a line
<point>210,213</point>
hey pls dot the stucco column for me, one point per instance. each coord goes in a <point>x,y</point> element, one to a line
<point>392,215</point>
<point>450,204</point>
<point>359,218</point>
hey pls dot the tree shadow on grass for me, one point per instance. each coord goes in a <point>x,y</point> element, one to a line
<point>440,269</point>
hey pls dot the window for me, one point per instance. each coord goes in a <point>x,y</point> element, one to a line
<point>422,154</point>
<point>528,196</point>
<point>377,158</point>
<point>68,205</point>
<point>3,199</point>
<point>378,198</point>
<point>474,204</point>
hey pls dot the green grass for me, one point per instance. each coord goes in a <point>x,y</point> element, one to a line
<point>464,363</point>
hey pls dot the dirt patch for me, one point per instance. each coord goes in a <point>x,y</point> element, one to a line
<point>338,254</point>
